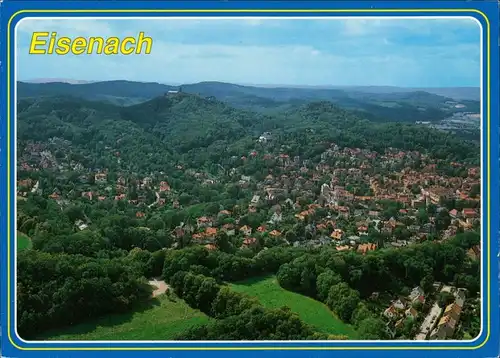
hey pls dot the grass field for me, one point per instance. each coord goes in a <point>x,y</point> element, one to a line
<point>313,312</point>
<point>162,320</point>
<point>23,242</point>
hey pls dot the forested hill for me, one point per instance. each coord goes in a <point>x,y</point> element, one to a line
<point>201,129</point>
<point>118,92</point>
<point>403,106</point>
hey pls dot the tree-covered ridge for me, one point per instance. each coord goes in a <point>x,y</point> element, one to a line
<point>189,122</point>
<point>398,104</point>
<point>191,185</point>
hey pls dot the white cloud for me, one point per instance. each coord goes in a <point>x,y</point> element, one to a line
<point>173,62</point>
<point>415,25</point>
<point>357,27</point>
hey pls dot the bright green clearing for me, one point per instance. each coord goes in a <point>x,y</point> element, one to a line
<point>23,242</point>
<point>162,320</point>
<point>313,312</point>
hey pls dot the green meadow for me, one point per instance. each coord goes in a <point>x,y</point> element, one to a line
<point>270,294</point>
<point>23,242</point>
<point>162,319</point>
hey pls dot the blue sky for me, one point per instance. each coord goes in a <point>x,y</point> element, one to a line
<point>368,51</point>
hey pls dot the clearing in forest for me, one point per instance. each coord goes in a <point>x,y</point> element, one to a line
<point>312,312</point>
<point>163,319</point>
<point>23,242</point>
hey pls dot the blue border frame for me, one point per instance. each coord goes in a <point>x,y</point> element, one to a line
<point>485,12</point>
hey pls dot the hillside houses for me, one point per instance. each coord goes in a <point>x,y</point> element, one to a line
<point>203,222</point>
<point>448,323</point>
<point>348,199</point>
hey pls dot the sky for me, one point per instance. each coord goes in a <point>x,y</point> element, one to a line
<point>410,52</point>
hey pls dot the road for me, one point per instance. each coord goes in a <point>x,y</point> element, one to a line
<point>156,201</point>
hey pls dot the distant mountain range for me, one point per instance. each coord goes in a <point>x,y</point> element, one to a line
<point>374,103</point>
<point>456,93</point>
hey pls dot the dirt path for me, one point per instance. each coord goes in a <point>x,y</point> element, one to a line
<point>161,287</point>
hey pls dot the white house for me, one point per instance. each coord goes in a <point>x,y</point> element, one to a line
<point>398,304</point>
<point>415,293</point>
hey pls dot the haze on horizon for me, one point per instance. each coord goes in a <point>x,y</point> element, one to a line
<point>271,85</point>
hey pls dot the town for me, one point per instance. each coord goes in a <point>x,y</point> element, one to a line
<point>349,199</point>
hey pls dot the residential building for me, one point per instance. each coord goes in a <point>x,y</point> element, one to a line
<point>411,312</point>
<point>203,222</point>
<point>337,234</point>
<point>100,178</point>
<point>210,232</point>
<point>399,304</point>
<point>453,310</point>
<point>364,248</point>
<point>445,328</point>
<point>276,218</point>
<point>390,312</point>
<point>415,293</point>
<point>246,230</point>
<point>474,252</point>
<point>469,213</point>
<point>229,229</point>
<point>249,242</point>
<point>211,247</point>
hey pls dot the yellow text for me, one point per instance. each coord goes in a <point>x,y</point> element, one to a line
<point>45,43</point>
